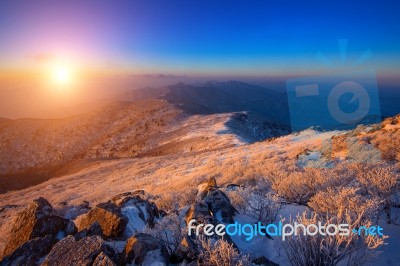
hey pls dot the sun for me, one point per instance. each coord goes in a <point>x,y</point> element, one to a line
<point>61,74</point>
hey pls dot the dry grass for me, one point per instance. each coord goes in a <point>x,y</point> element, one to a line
<point>173,178</point>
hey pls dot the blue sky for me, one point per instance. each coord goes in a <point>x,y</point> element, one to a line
<point>199,37</point>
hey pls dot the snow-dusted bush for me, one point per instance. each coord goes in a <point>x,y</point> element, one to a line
<point>326,148</point>
<point>330,249</point>
<point>363,152</point>
<point>300,186</point>
<point>344,201</point>
<point>381,182</point>
<point>172,201</point>
<point>388,142</point>
<point>294,187</point>
<point>170,230</point>
<point>262,206</point>
<point>220,253</point>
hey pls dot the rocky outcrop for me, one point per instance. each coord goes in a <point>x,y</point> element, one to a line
<point>220,205</point>
<point>121,219</point>
<point>200,212</point>
<point>143,249</point>
<point>103,260</point>
<point>71,212</point>
<point>121,199</point>
<point>211,200</point>
<point>85,251</point>
<point>126,214</point>
<point>36,221</point>
<point>205,188</point>
<point>30,252</point>
<point>93,230</point>
<point>212,206</point>
<point>108,215</point>
<point>140,211</point>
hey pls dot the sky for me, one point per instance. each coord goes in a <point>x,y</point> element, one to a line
<point>173,38</point>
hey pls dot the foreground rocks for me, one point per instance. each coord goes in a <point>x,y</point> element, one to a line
<point>39,235</point>
<point>30,252</point>
<point>111,233</point>
<point>212,206</point>
<point>85,251</point>
<point>145,249</point>
<point>211,200</point>
<point>135,201</point>
<point>36,221</point>
<point>108,216</point>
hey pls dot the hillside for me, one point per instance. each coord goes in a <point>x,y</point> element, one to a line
<point>153,122</point>
<point>149,163</point>
<point>286,165</point>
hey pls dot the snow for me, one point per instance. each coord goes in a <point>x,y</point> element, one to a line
<point>391,252</point>
<point>273,250</point>
<point>262,245</point>
<point>118,246</point>
<point>135,223</point>
<point>154,258</point>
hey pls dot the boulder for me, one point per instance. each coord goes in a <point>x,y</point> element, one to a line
<point>123,198</point>
<point>143,249</point>
<point>93,230</point>
<point>108,216</point>
<point>85,251</point>
<point>30,252</point>
<point>139,211</point>
<point>200,212</point>
<point>103,260</point>
<point>71,212</point>
<point>37,220</point>
<point>188,249</point>
<point>221,207</point>
<point>205,188</point>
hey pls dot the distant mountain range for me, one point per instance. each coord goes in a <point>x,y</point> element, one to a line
<point>221,97</point>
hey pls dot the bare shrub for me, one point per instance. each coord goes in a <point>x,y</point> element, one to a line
<point>300,186</point>
<point>326,148</point>
<point>293,187</point>
<point>170,230</point>
<point>220,253</point>
<point>172,201</point>
<point>388,142</point>
<point>363,152</point>
<point>380,181</point>
<point>344,201</point>
<point>330,249</point>
<point>339,143</point>
<point>259,205</point>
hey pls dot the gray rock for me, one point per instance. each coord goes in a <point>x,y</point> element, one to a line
<point>200,212</point>
<point>148,211</point>
<point>220,205</point>
<point>143,248</point>
<point>93,230</point>
<point>30,252</point>
<point>123,198</point>
<point>103,260</point>
<point>37,220</point>
<point>109,217</point>
<point>85,251</point>
<point>205,188</point>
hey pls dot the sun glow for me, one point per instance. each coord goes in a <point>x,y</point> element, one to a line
<point>61,75</point>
